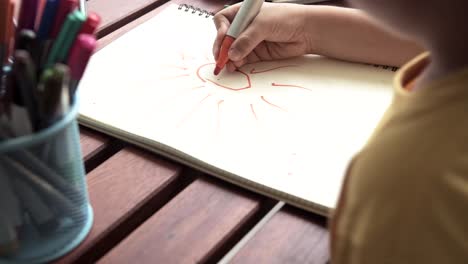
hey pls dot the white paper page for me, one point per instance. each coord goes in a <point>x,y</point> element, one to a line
<point>290,125</point>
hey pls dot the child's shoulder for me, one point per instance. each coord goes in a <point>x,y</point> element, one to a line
<point>422,134</point>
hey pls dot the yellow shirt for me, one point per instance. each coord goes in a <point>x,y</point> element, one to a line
<point>405,196</point>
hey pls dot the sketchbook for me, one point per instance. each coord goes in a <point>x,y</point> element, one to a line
<point>286,129</point>
<point>298,1</point>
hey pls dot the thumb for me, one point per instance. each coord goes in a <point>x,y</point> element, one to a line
<point>245,43</point>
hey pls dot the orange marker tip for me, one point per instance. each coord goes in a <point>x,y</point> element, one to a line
<point>217,70</point>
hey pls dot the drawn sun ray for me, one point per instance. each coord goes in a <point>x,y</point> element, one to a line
<point>218,117</point>
<point>186,57</point>
<point>291,86</point>
<point>253,112</point>
<point>169,101</point>
<point>272,104</point>
<point>175,77</point>
<point>254,71</point>
<point>188,68</point>
<point>175,66</point>
<point>192,111</point>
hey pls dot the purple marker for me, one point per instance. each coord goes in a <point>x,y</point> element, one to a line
<point>27,16</point>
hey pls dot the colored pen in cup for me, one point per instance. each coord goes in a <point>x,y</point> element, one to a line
<point>11,216</point>
<point>9,202</point>
<point>40,167</point>
<point>40,11</point>
<point>6,91</point>
<point>51,92</point>
<point>24,72</point>
<point>39,211</point>
<point>91,24</point>
<point>6,29</point>
<point>65,7</point>
<point>8,237</point>
<point>27,15</point>
<point>247,12</point>
<point>50,194</point>
<point>80,54</point>
<point>66,37</point>
<point>44,35</point>
<point>47,21</point>
<point>26,40</point>
<point>3,30</point>
<point>10,31</point>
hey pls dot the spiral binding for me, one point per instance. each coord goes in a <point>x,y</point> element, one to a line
<point>195,10</point>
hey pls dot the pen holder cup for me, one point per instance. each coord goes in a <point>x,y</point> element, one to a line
<point>44,206</point>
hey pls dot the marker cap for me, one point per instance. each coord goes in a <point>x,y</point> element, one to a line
<point>80,54</point>
<point>91,23</point>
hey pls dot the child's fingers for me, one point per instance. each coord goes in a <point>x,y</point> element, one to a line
<point>231,67</point>
<point>246,42</point>
<point>252,57</point>
<point>240,63</point>
<point>222,21</point>
<point>219,38</point>
<point>263,53</point>
<point>229,13</point>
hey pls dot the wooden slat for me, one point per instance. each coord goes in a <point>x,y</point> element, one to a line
<point>91,142</point>
<point>190,228</point>
<point>291,236</point>
<point>117,13</point>
<point>124,191</point>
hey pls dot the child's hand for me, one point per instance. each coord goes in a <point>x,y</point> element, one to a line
<point>276,33</point>
<point>287,30</point>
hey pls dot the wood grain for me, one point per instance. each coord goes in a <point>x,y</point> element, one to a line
<point>291,236</point>
<point>91,142</point>
<point>190,228</point>
<point>124,191</point>
<point>116,13</point>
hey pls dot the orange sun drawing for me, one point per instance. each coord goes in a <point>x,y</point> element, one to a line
<point>201,70</point>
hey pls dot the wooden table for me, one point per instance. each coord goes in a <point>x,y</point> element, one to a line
<point>152,210</point>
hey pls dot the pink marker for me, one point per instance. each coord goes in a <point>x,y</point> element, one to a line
<point>91,24</point>
<point>65,7</point>
<point>80,53</point>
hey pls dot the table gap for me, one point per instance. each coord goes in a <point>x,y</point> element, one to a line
<point>266,204</point>
<point>126,227</point>
<point>129,18</point>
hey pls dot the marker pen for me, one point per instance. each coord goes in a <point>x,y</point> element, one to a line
<point>80,54</point>
<point>3,30</point>
<point>244,16</point>
<point>6,29</point>
<point>91,24</point>
<point>48,18</point>
<point>61,47</point>
<point>64,8</point>
<point>27,14</point>
<point>11,216</point>
<point>44,33</point>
